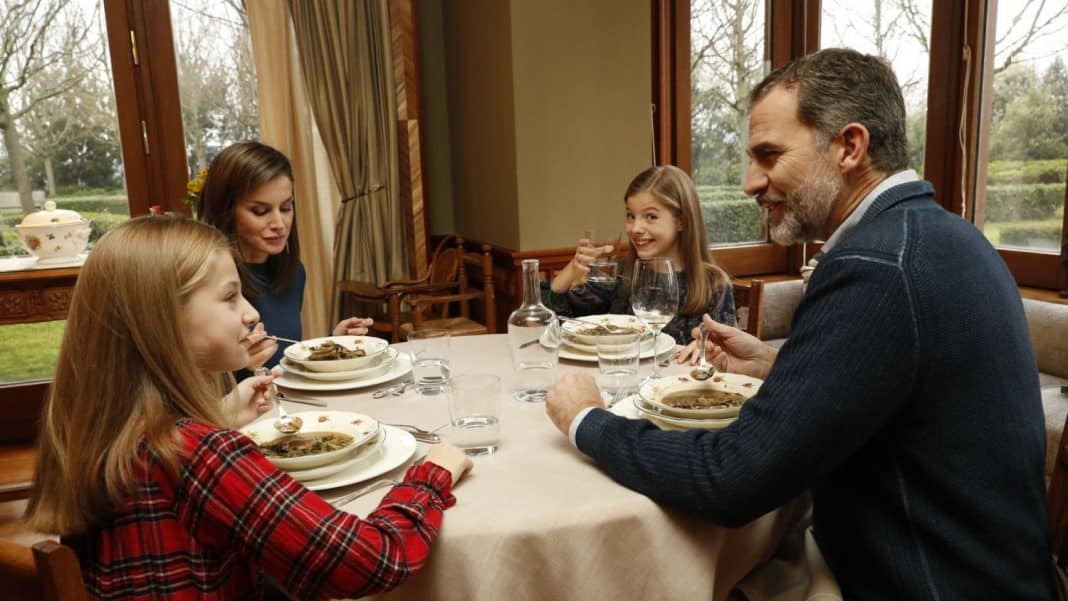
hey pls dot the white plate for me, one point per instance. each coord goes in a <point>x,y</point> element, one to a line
<point>628,408</point>
<point>652,391</point>
<point>571,327</point>
<point>387,358</point>
<point>591,349</point>
<point>367,453</point>
<point>664,342</point>
<point>362,428</point>
<point>398,368</point>
<point>397,449</point>
<point>371,345</point>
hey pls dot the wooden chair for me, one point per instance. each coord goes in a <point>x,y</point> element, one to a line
<point>750,296</point>
<point>432,309</point>
<point>47,571</point>
<point>442,275</point>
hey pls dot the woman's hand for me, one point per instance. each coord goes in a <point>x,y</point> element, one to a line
<point>730,349</point>
<point>353,326</point>
<point>576,271</point>
<point>249,399</point>
<point>450,458</point>
<point>262,348</point>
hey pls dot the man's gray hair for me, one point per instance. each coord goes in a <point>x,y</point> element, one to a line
<point>837,86</point>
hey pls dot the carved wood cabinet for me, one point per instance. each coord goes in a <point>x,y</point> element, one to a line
<point>36,295</point>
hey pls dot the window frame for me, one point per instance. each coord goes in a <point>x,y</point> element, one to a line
<point>792,29</point>
<point>145,75</point>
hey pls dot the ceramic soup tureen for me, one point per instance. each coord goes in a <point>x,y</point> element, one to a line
<point>54,235</point>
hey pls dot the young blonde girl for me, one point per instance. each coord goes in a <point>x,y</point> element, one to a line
<point>663,220</point>
<point>138,468</point>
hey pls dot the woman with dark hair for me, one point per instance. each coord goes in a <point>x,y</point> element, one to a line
<point>248,195</point>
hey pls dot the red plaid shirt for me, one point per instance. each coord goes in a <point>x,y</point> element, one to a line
<point>232,516</point>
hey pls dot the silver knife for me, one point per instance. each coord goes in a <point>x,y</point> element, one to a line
<point>304,400</point>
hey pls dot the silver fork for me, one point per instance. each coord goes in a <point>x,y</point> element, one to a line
<point>352,496</point>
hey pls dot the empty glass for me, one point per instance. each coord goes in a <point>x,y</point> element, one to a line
<point>474,409</point>
<point>430,360</point>
<point>654,298</point>
<point>617,358</point>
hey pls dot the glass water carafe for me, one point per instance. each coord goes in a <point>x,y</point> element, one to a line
<point>534,339</point>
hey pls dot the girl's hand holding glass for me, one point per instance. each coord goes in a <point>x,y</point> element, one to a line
<point>576,271</point>
<point>353,326</point>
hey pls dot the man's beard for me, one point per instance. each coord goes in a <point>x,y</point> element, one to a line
<point>807,207</point>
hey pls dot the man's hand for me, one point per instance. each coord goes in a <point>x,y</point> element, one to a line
<point>732,350</point>
<point>569,395</point>
<point>353,326</point>
<point>262,348</point>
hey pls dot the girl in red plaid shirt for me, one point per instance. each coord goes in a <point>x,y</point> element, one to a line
<point>140,471</point>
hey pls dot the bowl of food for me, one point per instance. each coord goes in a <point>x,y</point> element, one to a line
<point>337,353</point>
<point>325,437</point>
<point>54,235</point>
<point>718,397</point>
<point>585,330</point>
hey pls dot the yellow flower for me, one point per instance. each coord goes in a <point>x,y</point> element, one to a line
<point>194,187</point>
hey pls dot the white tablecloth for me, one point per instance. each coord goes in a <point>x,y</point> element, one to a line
<point>539,520</point>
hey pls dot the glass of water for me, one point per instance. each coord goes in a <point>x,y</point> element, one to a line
<point>475,409</point>
<point>617,358</point>
<point>430,360</point>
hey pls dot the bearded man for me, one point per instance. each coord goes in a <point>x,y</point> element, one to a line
<point>906,398</point>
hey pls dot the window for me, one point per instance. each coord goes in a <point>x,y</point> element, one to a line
<point>726,61</point>
<point>992,135</point>
<point>897,31</point>
<point>1020,205</point>
<point>216,77</point>
<point>63,146</point>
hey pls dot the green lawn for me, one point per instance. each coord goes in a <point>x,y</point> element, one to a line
<point>28,351</point>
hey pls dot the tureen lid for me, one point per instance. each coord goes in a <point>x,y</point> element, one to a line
<point>51,215</point>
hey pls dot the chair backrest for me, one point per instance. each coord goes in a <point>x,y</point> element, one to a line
<point>446,261</point>
<point>750,297</point>
<point>436,305</point>
<point>48,571</point>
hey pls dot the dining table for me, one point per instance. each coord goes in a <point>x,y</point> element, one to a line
<point>537,519</point>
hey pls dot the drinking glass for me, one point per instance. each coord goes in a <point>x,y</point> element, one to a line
<point>654,298</point>
<point>474,409</point>
<point>430,360</point>
<point>603,272</point>
<point>617,358</point>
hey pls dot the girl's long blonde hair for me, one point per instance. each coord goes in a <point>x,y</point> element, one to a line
<point>125,372</point>
<point>671,186</point>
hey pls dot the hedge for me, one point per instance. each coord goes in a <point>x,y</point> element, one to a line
<point>1026,172</point>
<point>1044,235</point>
<point>1021,202</point>
<point>735,220</point>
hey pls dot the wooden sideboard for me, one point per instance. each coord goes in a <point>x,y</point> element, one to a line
<point>36,295</point>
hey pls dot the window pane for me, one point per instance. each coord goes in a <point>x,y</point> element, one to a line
<point>28,351</point>
<point>1028,150</point>
<point>899,32</point>
<point>216,77</point>
<point>62,144</point>
<point>727,60</point>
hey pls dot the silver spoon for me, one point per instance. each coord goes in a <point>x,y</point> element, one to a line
<point>704,369</point>
<point>284,423</point>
